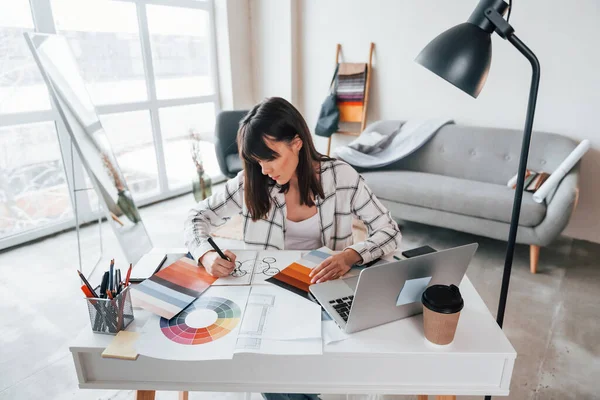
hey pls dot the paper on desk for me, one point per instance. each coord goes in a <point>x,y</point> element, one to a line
<point>412,290</point>
<point>276,314</point>
<point>244,269</point>
<point>279,347</point>
<point>332,333</point>
<point>270,263</point>
<point>205,330</point>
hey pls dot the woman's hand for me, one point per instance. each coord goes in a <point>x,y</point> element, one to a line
<point>215,265</point>
<point>335,266</point>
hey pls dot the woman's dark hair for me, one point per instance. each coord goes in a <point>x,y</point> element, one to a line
<point>276,119</point>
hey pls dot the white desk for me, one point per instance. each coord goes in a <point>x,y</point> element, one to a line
<point>390,359</point>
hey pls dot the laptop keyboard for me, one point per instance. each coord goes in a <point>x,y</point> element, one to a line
<point>342,306</point>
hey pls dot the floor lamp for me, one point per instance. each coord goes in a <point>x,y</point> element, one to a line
<point>462,56</point>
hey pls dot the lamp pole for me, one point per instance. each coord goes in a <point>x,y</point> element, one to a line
<point>507,32</point>
<point>462,56</point>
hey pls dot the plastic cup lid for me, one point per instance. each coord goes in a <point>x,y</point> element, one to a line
<point>443,299</point>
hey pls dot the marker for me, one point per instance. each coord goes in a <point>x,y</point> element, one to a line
<point>397,258</point>
<point>217,249</point>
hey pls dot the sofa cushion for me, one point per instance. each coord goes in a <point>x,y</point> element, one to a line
<point>460,196</point>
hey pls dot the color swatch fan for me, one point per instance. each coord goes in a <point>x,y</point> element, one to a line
<point>211,318</point>
<point>295,277</point>
<point>173,288</point>
<point>206,330</point>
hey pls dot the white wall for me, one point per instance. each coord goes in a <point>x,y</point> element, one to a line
<point>273,37</point>
<point>293,46</point>
<point>564,35</point>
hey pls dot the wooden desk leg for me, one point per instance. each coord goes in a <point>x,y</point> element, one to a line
<point>184,395</point>
<point>422,397</point>
<point>445,397</point>
<point>145,394</point>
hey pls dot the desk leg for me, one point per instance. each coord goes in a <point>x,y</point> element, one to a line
<point>184,395</point>
<point>145,395</point>
<point>422,397</point>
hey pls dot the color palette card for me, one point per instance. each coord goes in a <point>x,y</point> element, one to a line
<point>295,277</point>
<point>173,288</point>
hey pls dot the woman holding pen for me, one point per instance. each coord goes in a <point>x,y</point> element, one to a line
<point>291,197</point>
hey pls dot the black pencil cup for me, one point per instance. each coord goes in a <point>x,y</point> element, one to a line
<point>110,316</point>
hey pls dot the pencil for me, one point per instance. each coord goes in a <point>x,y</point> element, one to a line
<point>87,284</point>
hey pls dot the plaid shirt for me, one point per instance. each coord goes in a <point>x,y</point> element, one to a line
<point>346,195</point>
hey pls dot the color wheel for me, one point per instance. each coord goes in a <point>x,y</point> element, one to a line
<point>228,317</point>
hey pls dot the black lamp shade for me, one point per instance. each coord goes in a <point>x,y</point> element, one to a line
<point>461,55</point>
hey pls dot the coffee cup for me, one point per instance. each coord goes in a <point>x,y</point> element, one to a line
<point>441,309</point>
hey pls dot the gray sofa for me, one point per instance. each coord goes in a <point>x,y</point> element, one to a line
<point>458,180</point>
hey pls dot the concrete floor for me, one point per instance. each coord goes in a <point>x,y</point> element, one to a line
<point>552,318</point>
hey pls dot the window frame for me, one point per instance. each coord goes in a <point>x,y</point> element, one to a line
<point>43,21</point>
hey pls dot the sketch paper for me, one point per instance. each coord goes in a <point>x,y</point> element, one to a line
<point>254,267</point>
<point>244,269</point>
<point>270,263</point>
<point>206,330</point>
<point>275,313</point>
<point>173,288</point>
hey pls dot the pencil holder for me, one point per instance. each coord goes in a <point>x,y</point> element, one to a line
<point>110,316</point>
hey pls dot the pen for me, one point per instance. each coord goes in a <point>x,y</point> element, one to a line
<point>217,249</point>
<point>118,279</point>
<point>87,284</point>
<point>397,258</point>
<point>111,275</point>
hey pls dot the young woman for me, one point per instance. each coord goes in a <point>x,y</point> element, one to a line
<point>291,197</point>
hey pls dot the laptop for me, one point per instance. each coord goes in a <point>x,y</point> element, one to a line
<point>390,291</point>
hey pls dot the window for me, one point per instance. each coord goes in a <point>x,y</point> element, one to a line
<point>104,37</point>
<point>180,126</point>
<point>130,135</point>
<point>21,85</point>
<point>149,69</point>
<point>180,51</point>
<point>33,188</point>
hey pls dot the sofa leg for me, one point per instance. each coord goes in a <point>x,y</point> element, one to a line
<point>534,256</point>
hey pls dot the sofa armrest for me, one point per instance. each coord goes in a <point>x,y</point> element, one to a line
<point>559,209</point>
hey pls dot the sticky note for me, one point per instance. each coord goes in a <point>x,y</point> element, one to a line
<point>412,290</point>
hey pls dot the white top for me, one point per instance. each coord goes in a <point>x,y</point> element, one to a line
<point>303,235</point>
